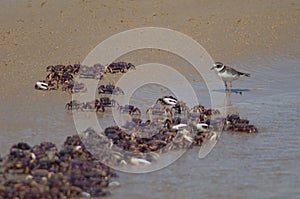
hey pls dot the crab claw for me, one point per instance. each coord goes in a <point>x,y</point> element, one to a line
<point>213,136</point>
<point>138,161</point>
<point>179,126</point>
<point>188,138</point>
<point>202,127</point>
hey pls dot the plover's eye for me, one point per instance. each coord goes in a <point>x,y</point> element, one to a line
<point>218,64</point>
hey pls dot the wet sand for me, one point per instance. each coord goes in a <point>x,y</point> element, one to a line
<point>257,36</point>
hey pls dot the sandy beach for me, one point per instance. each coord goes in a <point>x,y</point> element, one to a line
<point>34,34</point>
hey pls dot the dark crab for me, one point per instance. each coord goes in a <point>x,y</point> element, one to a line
<point>106,101</point>
<point>198,109</point>
<point>99,67</point>
<point>73,104</point>
<point>53,76</point>
<point>235,119</point>
<point>99,106</point>
<point>90,72</point>
<point>66,77</point>
<point>169,124</point>
<point>157,109</point>
<point>93,105</point>
<point>242,127</point>
<point>130,109</point>
<point>79,87</point>
<point>119,67</point>
<point>139,122</point>
<point>177,108</point>
<point>110,89</point>
<point>75,87</point>
<point>210,112</point>
<point>88,106</point>
<point>55,68</point>
<point>72,68</point>
<point>19,150</point>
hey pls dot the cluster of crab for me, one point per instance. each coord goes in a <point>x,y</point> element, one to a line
<point>45,172</point>
<point>62,75</point>
<point>59,75</point>
<point>97,71</point>
<point>95,105</point>
<point>170,125</point>
<point>100,105</point>
<point>117,147</point>
<point>173,113</point>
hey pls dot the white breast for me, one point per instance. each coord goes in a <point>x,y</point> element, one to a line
<point>228,77</point>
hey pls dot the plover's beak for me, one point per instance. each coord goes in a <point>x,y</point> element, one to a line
<point>213,67</point>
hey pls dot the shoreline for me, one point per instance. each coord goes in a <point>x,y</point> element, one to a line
<point>36,34</point>
<point>257,37</point>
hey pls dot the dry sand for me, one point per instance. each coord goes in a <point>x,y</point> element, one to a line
<point>36,33</point>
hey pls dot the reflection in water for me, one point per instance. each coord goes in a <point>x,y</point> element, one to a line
<point>227,94</point>
<point>228,100</point>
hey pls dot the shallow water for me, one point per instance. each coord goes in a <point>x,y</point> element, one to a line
<point>264,165</point>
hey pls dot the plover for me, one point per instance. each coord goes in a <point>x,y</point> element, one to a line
<point>228,74</point>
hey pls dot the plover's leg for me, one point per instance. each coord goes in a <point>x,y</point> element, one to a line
<point>230,86</point>
<point>226,87</point>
